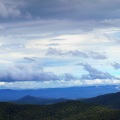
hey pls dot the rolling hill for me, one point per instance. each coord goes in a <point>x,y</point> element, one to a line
<point>70,110</point>
<point>110,100</point>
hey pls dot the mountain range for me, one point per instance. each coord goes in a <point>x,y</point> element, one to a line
<point>67,93</point>
<point>108,100</point>
<point>39,101</point>
<point>103,107</point>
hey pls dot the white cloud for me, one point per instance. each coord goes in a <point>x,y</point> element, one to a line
<point>60,83</point>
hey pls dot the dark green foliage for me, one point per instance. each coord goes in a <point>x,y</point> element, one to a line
<point>71,110</point>
<point>108,100</point>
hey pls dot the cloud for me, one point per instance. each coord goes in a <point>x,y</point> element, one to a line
<point>116,65</point>
<point>31,72</point>
<point>9,10</point>
<point>74,9</point>
<point>53,44</point>
<point>75,53</point>
<point>13,9</point>
<point>11,46</point>
<point>96,55</point>
<point>29,59</point>
<point>93,73</point>
<point>57,84</point>
<point>26,72</point>
<point>62,9</point>
<point>68,77</point>
<point>58,33</point>
<point>57,52</point>
<point>70,15</point>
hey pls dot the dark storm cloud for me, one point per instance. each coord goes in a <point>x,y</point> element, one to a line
<point>75,9</point>
<point>63,9</point>
<point>12,9</point>
<point>93,73</point>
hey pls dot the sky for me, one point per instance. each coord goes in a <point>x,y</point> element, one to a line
<point>59,43</point>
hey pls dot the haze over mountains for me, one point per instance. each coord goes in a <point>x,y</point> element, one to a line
<point>38,101</point>
<point>111,100</point>
<point>67,93</point>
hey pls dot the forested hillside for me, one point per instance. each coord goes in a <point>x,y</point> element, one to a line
<point>71,110</point>
<point>109,100</point>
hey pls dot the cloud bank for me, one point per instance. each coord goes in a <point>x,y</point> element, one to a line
<point>41,42</point>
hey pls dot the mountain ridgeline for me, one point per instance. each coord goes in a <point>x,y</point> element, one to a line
<point>104,107</point>
<point>67,93</point>
<point>40,101</point>
<point>109,100</point>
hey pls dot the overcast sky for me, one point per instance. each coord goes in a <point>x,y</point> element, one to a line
<point>59,43</point>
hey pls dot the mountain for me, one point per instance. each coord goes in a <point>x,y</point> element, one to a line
<point>70,110</point>
<point>68,93</point>
<point>109,100</point>
<point>36,100</point>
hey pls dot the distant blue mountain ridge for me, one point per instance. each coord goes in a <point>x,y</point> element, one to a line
<point>55,93</point>
<point>37,100</point>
